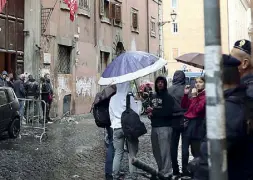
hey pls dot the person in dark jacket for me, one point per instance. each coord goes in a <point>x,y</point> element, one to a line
<point>194,121</point>
<point>242,52</point>
<point>160,114</point>
<point>177,92</point>
<point>4,80</point>
<point>46,95</point>
<point>32,92</point>
<point>239,154</point>
<point>20,92</point>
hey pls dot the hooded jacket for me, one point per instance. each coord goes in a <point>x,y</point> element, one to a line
<point>117,104</point>
<point>177,92</point>
<point>162,103</point>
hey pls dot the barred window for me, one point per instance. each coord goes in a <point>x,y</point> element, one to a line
<point>64,62</point>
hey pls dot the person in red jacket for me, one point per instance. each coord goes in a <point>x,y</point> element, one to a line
<point>194,121</point>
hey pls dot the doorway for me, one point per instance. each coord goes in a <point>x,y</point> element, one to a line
<point>8,62</point>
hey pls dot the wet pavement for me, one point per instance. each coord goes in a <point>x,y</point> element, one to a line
<point>74,150</point>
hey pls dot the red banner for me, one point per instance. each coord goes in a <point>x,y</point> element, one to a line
<point>2,4</point>
<point>72,4</point>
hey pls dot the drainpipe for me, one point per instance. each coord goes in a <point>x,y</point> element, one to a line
<point>148,26</point>
<point>160,33</point>
<point>95,23</point>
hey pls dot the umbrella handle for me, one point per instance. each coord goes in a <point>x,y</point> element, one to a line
<point>136,87</point>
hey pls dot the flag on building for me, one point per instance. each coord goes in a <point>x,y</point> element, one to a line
<point>2,4</point>
<point>72,4</point>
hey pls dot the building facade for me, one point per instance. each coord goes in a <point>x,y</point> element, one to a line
<point>186,34</point>
<point>76,53</point>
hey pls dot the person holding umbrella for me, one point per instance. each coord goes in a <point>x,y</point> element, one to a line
<point>125,68</point>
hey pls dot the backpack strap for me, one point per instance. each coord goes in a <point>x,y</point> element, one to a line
<point>128,101</point>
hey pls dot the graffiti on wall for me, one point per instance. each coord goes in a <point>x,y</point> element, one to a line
<point>86,86</point>
<point>63,85</point>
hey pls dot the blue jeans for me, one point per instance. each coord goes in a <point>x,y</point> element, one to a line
<point>109,152</point>
<point>21,108</point>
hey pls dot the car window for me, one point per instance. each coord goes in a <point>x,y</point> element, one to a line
<point>11,95</point>
<point>3,98</point>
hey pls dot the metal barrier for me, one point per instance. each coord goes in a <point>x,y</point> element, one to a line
<point>34,115</point>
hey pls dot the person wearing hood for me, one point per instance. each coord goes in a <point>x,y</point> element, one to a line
<point>117,106</point>
<point>177,92</point>
<point>194,121</point>
<point>4,80</point>
<point>160,113</point>
<point>239,155</point>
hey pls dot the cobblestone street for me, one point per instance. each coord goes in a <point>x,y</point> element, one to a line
<point>73,150</point>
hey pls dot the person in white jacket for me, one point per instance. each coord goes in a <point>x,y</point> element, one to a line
<point>116,107</point>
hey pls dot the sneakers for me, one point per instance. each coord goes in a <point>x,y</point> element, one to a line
<point>186,175</point>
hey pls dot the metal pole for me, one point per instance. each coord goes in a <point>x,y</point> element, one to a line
<point>160,34</point>
<point>215,118</point>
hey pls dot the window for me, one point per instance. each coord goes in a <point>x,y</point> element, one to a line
<point>64,56</point>
<point>11,95</point>
<point>153,27</point>
<point>3,98</point>
<point>84,4</point>
<point>174,27</point>
<point>174,53</point>
<point>135,22</point>
<point>104,9</point>
<point>110,11</point>
<point>84,7</point>
<point>104,60</point>
<point>174,4</point>
<point>117,13</point>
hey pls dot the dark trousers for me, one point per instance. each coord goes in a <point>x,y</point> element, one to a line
<point>47,110</point>
<point>174,149</point>
<point>187,141</point>
<point>109,152</point>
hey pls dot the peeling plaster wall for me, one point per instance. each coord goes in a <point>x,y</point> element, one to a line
<point>86,86</point>
<point>64,86</point>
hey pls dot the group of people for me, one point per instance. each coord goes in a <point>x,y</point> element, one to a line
<point>26,87</point>
<point>179,110</point>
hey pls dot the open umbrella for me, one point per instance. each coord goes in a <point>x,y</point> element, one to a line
<point>193,59</point>
<point>129,66</point>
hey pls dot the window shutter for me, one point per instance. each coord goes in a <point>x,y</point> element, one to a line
<point>102,5</point>
<point>112,10</point>
<point>118,13</point>
<point>135,20</point>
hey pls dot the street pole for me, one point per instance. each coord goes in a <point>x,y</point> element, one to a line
<point>215,117</point>
<point>160,32</point>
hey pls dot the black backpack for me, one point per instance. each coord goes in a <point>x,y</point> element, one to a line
<point>132,126</point>
<point>100,108</point>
